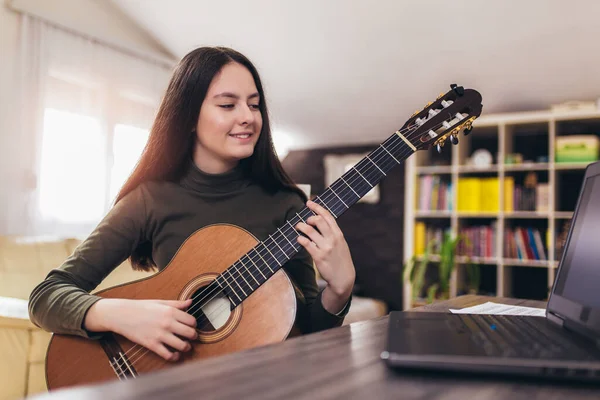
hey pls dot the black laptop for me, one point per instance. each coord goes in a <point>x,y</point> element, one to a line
<point>564,344</point>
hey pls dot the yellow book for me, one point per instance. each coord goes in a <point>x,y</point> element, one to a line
<point>461,195</point>
<point>468,194</point>
<point>484,194</point>
<point>419,238</point>
<point>509,188</point>
<point>474,195</point>
<point>489,195</point>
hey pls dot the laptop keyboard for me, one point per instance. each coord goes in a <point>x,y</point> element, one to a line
<point>531,338</point>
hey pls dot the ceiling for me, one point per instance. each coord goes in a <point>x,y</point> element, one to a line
<point>348,72</point>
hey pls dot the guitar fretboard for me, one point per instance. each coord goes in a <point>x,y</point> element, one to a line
<point>262,261</point>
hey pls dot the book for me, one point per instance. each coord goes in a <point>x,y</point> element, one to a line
<point>542,197</point>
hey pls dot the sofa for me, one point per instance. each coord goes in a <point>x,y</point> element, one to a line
<point>24,262</point>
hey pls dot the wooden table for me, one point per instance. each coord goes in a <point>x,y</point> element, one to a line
<point>339,363</point>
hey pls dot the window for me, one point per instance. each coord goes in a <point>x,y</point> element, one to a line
<point>73,168</point>
<point>90,145</point>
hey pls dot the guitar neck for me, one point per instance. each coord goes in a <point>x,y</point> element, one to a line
<point>259,264</point>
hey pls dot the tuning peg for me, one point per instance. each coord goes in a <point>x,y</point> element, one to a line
<point>428,104</point>
<point>459,90</point>
<point>468,130</point>
<point>440,96</point>
<point>439,148</point>
<point>454,139</point>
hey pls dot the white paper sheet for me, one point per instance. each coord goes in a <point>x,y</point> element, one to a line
<point>500,309</point>
<point>13,308</point>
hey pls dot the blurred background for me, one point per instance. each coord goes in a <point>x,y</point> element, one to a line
<point>81,80</point>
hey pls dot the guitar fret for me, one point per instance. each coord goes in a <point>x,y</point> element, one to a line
<point>332,191</point>
<point>276,260</point>
<point>286,238</point>
<point>325,205</point>
<point>361,175</point>
<point>232,277</point>
<point>344,193</point>
<point>253,263</point>
<point>245,289</point>
<point>242,275</point>
<point>381,145</point>
<point>251,274</point>
<point>342,178</point>
<point>373,162</point>
<point>261,257</point>
<point>277,244</point>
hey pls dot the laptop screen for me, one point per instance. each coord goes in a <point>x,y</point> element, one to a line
<point>579,278</point>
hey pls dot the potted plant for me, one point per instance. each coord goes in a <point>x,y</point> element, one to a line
<point>416,267</point>
<point>473,277</point>
<point>414,271</point>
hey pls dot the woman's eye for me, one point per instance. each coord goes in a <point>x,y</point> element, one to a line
<point>255,106</point>
<point>226,105</point>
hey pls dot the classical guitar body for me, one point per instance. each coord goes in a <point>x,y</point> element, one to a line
<point>266,316</point>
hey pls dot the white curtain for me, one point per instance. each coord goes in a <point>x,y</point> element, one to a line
<point>84,110</point>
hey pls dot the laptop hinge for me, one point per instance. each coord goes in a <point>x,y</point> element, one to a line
<point>555,318</point>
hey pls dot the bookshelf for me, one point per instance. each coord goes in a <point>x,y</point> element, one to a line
<point>533,135</point>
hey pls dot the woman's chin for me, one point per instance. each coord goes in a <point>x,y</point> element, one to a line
<point>240,154</point>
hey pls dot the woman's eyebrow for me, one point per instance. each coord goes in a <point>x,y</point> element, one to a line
<point>235,96</point>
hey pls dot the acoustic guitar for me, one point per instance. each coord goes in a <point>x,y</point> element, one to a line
<point>241,296</point>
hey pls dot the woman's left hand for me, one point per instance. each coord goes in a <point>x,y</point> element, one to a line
<point>331,255</point>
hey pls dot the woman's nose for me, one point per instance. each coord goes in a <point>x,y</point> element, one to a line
<point>247,116</point>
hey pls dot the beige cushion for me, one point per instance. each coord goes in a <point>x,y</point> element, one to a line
<point>25,262</point>
<point>18,255</point>
<point>37,378</point>
<point>39,345</point>
<point>14,348</point>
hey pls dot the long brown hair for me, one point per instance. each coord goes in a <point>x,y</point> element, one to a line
<point>171,140</point>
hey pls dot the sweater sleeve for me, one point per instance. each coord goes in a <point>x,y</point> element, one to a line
<point>302,272</point>
<point>60,302</point>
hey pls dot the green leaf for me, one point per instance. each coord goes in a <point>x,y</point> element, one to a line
<point>431,291</point>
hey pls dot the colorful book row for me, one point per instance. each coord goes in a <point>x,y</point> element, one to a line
<point>434,194</point>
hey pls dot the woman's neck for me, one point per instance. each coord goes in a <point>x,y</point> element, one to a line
<point>213,166</point>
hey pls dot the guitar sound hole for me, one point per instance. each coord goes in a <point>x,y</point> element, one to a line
<point>211,309</point>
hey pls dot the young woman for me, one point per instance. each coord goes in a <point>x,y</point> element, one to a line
<point>209,159</point>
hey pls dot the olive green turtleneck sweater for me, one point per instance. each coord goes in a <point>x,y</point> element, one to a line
<point>166,214</point>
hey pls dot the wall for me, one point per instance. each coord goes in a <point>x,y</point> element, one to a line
<point>374,232</point>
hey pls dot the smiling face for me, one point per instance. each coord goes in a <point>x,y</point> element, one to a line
<point>230,120</point>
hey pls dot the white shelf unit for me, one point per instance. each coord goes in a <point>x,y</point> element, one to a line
<point>502,134</point>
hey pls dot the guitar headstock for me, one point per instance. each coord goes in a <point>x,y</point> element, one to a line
<point>444,118</point>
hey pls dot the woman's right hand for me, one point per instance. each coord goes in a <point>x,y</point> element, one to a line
<point>154,324</point>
